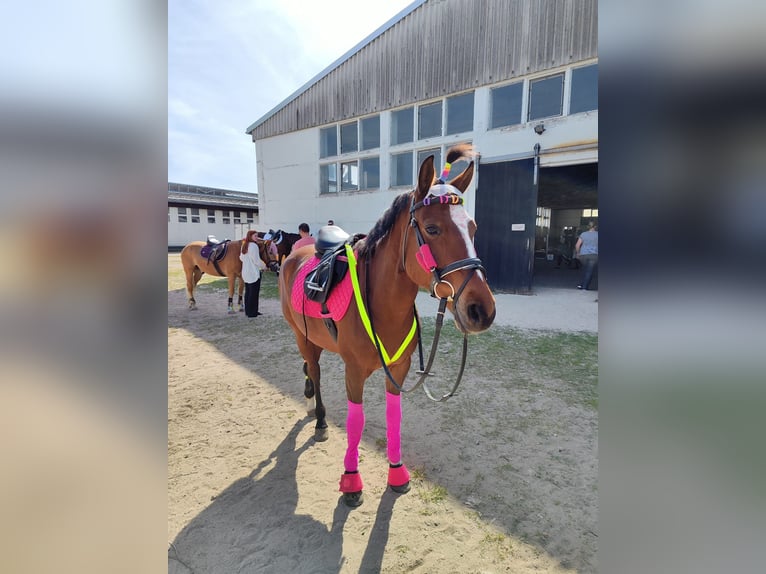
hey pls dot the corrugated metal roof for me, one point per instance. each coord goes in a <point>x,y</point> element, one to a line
<point>188,194</point>
<point>438,47</point>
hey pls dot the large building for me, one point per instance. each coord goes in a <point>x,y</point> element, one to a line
<point>194,212</point>
<point>517,79</point>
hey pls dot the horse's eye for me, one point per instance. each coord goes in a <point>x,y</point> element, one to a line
<point>432,230</point>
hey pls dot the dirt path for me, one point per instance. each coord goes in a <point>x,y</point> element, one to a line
<point>504,476</point>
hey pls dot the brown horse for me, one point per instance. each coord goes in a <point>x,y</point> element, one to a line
<point>230,266</point>
<point>424,239</point>
<point>282,240</point>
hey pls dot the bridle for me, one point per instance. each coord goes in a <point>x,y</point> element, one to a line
<point>440,193</point>
<point>272,264</point>
<point>451,196</point>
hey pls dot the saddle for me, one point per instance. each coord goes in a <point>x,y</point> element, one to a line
<point>215,250</point>
<point>332,267</point>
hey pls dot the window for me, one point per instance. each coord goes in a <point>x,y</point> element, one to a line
<point>168,215</point>
<point>227,217</point>
<point>211,215</point>
<point>402,126</point>
<point>249,215</point>
<point>437,153</point>
<point>349,176</point>
<point>181,215</point>
<point>328,178</point>
<point>237,218</point>
<point>370,132</point>
<point>401,169</point>
<point>546,97</point>
<point>195,214</point>
<point>328,142</point>
<point>370,176</point>
<point>348,138</point>
<point>584,89</point>
<point>430,120</point>
<point>590,212</point>
<point>460,114</point>
<point>506,105</point>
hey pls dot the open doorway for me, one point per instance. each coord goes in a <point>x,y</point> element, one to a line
<point>567,201</point>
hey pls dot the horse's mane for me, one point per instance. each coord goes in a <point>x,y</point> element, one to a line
<point>383,226</point>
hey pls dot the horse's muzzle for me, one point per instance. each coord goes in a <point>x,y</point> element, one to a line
<point>474,316</point>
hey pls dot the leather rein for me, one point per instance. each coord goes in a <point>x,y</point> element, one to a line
<point>426,260</point>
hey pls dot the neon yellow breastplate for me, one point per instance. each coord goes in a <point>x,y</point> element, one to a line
<point>366,319</point>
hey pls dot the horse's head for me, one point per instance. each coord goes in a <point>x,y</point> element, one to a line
<point>267,255</point>
<point>443,258</point>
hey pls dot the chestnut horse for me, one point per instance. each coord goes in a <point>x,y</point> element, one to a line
<point>195,265</point>
<point>424,239</point>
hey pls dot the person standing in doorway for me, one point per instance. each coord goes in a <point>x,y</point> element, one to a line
<point>586,250</point>
<point>252,265</point>
<point>306,239</point>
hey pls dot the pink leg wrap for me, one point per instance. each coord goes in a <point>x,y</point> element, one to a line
<point>351,482</point>
<point>398,476</point>
<point>354,428</point>
<point>393,427</point>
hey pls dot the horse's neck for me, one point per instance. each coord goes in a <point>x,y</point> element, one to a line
<point>392,291</point>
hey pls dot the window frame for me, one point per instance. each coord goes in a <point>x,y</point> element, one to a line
<point>446,127</point>
<point>421,107</point>
<point>323,131</point>
<point>534,81</point>
<point>362,160</point>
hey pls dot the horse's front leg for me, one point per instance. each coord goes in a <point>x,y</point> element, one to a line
<point>351,481</point>
<point>398,475</point>
<point>230,306</point>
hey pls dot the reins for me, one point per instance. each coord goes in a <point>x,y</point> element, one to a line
<point>426,260</point>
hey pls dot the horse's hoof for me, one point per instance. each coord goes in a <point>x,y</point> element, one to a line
<point>241,309</point>
<point>232,312</point>
<point>353,499</point>
<point>321,435</point>
<point>402,489</point>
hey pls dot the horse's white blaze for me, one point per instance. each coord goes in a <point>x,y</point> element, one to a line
<point>460,218</point>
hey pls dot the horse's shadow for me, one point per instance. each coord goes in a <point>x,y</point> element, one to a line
<point>252,526</point>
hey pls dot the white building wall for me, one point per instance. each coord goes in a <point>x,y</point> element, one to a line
<point>179,234</point>
<point>288,165</point>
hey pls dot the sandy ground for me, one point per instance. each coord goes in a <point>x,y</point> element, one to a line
<point>502,482</point>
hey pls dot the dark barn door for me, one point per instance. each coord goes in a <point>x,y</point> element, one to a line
<point>506,197</point>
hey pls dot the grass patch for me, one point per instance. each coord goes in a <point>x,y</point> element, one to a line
<point>433,495</point>
<point>209,283</point>
<point>521,359</point>
<point>500,543</point>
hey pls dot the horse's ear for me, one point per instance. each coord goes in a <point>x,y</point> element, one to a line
<point>464,179</point>
<point>425,178</point>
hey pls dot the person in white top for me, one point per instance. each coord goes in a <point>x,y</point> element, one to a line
<point>252,265</point>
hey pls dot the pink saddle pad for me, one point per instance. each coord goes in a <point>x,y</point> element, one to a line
<point>337,302</point>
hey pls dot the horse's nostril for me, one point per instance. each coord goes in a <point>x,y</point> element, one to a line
<point>476,313</point>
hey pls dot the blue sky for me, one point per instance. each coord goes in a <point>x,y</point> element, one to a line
<point>231,61</point>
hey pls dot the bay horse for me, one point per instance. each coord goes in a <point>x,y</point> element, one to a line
<point>282,240</point>
<point>424,239</point>
<point>230,266</point>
